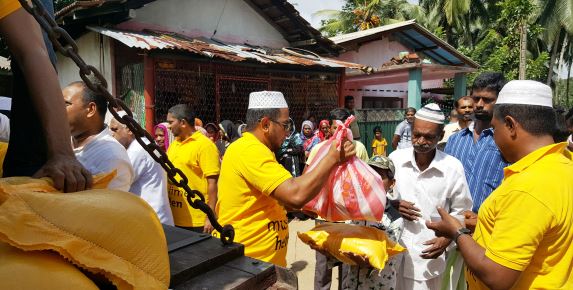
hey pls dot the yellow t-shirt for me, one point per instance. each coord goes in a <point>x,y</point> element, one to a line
<point>379,147</point>
<point>249,175</point>
<point>198,158</point>
<point>526,224</point>
<point>7,7</point>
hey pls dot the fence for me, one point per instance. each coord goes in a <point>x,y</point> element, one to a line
<point>221,91</point>
<point>386,119</point>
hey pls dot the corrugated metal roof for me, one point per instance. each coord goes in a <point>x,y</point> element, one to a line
<point>360,34</point>
<point>414,36</point>
<point>151,40</point>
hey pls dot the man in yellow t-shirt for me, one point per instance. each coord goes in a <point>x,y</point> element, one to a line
<point>198,158</point>
<point>254,188</point>
<point>524,235</point>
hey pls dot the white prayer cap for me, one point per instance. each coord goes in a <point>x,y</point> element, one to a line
<point>267,100</point>
<point>431,113</point>
<point>526,92</point>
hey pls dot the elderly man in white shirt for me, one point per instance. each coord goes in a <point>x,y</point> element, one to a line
<point>426,178</point>
<point>150,181</point>
<point>93,145</point>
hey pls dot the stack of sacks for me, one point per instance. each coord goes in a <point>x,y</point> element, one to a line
<point>352,244</point>
<point>82,240</point>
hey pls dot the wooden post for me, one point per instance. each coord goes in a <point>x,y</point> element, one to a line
<point>460,85</point>
<point>149,92</point>
<point>415,88</point>
<point>341,81</point>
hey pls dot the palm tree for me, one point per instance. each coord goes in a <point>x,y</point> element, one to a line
<point>365,14</point>
<point>556,16</point>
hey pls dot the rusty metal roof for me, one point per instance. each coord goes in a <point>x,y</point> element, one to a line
<point>282,15</point>
<point>157,40</point>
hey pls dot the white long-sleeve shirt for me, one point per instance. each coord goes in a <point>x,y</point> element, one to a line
<point>103,154</point>
<point>150,182</point>
<point>442,184</point>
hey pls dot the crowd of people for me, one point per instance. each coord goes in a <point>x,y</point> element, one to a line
<point>492,210</point>
<point>503,176</point>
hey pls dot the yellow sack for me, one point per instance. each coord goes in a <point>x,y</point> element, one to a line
<point>352,244</point>
<point>39,270</point>
<point>112,234</point>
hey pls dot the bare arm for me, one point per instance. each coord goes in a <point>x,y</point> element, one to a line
<point>25,41</point>
<point>395,141</point>
<point>212,193</point>
<point>296,192</point>
<point>492,274</point>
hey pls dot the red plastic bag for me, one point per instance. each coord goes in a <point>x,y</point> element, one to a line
<point>353,191</point>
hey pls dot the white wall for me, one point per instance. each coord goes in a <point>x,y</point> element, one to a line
<point>374,53</point>
<point>93,54</point>
<point>234,20</point>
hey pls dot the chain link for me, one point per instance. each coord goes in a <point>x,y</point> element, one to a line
<point>65,44</point>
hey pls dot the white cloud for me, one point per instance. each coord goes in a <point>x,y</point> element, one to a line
<point>308,7</point>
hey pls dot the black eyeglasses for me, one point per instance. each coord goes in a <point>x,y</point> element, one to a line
<point>286,126</point>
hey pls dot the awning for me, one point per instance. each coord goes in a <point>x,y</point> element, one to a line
<point>156,40</point>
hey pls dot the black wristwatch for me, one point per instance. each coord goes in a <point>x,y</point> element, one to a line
<point>461,231</point>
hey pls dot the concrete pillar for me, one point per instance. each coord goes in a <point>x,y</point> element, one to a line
<point>460,85</point>
<point>415,88</point>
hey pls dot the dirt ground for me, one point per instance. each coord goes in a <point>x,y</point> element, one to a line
<point>301,258</point>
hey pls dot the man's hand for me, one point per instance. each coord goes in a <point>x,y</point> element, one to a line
<point>470,220</point>
<point>208,228</point>
<point>407,209</point>
<point>347,151</point>
<point>67,173</point>
<point>437,247</point>
<point>447,227</point>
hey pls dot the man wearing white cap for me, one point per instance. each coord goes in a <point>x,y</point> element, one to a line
<point>425,179</point>
<point>524,236</point>
<point>254,188</point>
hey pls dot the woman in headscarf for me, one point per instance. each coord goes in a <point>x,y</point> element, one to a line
<point>308,137</point>
<point>214,134</point>
<point>290,153</point>
<point>230,133</point>
<point>324,130</point>
<point>162,136</point>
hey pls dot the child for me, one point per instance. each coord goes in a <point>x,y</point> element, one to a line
<point>379,143</point>
<point>392,223</point>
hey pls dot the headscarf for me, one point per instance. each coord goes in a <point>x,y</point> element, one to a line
<point>308,142</point>
<point>166,132</point>
<point>240,129</point>
<point>229,130</point>
<point>320,134</point>
<point>307,123</point>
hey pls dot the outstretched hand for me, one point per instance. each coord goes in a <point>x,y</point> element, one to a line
<point>447,227</point>
<point>67,173</point>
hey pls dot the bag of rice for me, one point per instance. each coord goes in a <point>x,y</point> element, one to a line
<point>352,244</point>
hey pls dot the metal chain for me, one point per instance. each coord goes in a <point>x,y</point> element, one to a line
<point>65,44</point>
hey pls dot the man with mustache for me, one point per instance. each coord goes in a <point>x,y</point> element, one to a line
<point>464,111</point>
<point>426,178</point>
<point>474,146</point>
<point>523,239</point>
